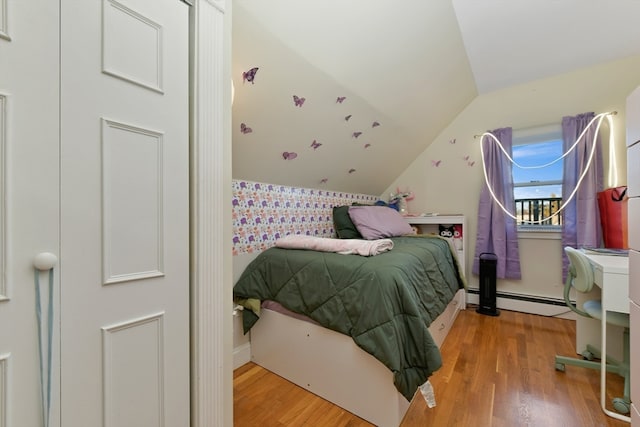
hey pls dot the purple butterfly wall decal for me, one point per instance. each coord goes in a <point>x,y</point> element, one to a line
<point>357,134</point>
<point>346,118</point>
<point>367,145</point>
<point>436,163</point>
<point>289,155</point>
<point>452,141</point>
<point>315,145</point>
<point>470,164</point>
<point>297,101</point>
<point>467,157</point>
<point>352,170</point>
<point>375,124</point>
<point>249,76</point>
<point>245,129</point>
<point>324,180</point>
<point>340,99</point>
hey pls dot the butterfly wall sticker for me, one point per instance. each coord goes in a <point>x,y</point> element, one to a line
<point>346,118</point>
<point>297,101</point>
<point>375,124</point>
<point>315,145</point>
<point>340,99</point>
<point>452,141</point>
<point>471,163</point>
<point>436,163</point>
<point>367,145</point>
<point>245,129</point>
<point>250,75</point>
<point>324,180</point>
<point>289,155</point>
<point>352,170</point>
<point>357,134</point>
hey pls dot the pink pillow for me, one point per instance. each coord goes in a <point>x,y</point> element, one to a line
<point>378,222</point>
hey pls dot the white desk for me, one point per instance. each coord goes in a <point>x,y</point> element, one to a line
<point>612,277</point>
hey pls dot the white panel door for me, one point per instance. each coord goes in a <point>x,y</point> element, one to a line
<point>29,130</point>
<point>124,215</point>
<point>122,115</point>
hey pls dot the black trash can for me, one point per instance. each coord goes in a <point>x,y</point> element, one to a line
<point>487,297</point>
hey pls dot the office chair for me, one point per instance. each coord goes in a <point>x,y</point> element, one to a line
<point>581,278</point>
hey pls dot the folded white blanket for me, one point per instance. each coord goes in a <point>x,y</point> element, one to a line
<point>341,246</point>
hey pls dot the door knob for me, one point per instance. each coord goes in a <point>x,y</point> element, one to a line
<point>45,261</point>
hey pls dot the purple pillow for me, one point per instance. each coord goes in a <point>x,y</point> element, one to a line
<point>378,222</point>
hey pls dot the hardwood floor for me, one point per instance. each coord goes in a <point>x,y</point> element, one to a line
<point>497,371</point>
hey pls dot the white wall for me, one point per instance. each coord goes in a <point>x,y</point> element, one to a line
<point>454,186</point>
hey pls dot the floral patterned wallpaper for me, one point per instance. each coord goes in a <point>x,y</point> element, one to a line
<point>263,213</point>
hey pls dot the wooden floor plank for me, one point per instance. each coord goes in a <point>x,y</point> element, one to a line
<point>497,371</point>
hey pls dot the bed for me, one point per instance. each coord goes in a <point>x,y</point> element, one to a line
<point>367,329</point>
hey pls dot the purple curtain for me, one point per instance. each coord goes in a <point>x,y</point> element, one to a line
<point>581,217</point>
<point>497,231</point>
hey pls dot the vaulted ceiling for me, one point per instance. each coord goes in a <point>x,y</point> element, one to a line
<point>405,69</point>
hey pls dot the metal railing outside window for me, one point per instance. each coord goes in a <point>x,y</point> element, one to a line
<point>530,211</point>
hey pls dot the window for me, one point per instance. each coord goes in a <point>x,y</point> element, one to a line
<point>538,192</point>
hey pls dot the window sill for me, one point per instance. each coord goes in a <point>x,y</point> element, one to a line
<point>540,232</point>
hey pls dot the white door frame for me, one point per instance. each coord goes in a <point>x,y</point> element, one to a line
<point>211,227</point>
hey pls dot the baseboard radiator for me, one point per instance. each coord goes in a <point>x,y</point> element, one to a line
<point>534,304</point>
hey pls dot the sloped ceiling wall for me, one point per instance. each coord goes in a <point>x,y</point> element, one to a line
<point>410,65</point>
<point>514,42</point>
<point>396,97</point>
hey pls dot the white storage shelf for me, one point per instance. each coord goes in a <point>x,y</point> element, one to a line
<point>635,349</point>
<point>633,172</point>
<point>633,191</point>
<point>429,225</point>
<point>633,117</point>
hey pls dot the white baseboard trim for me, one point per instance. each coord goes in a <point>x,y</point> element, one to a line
<point>241,355</point>
<point>531,307</point>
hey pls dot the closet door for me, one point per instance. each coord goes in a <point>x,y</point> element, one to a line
<point>29,193</point>
<point>124,216</point>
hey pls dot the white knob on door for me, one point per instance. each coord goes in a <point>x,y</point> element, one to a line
<point>45,261</point>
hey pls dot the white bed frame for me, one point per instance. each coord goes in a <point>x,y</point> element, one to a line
<point>332,366</point>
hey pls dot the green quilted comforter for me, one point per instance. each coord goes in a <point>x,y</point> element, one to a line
<point>385,302</point>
